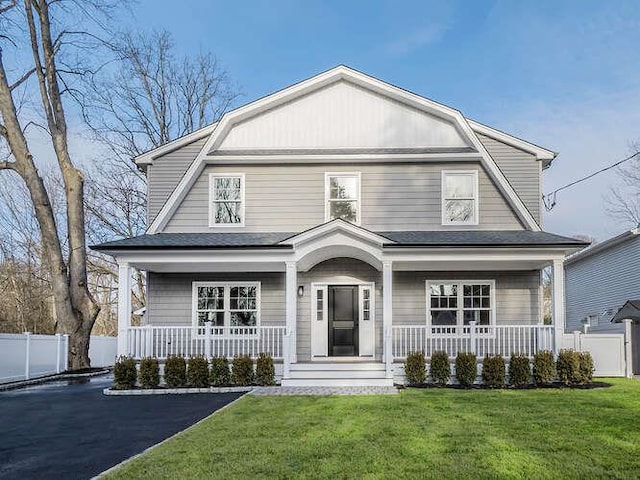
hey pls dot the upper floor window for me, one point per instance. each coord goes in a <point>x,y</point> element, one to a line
<point>342,196</point>
<point>227,199</point>
<point>459,197</point>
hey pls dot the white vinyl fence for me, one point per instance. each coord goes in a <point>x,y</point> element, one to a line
<point>25,356</point>
<point>608,351</point>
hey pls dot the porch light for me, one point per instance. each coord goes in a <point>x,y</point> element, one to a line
<point>301,290</point>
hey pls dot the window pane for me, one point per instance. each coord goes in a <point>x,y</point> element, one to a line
<point>346,210</point>
<point>443,317</point>
<point>444,289</point>
<point>210,298</point>
<point>459,210</point>
<point>343,188</point>
<point>481,317</point>
<point>243,319</point>
<point>227,188</point>
<point>459,186</point>
<point>216,318</point>
<point>227,212</point>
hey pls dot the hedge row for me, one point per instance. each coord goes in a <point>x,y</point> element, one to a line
<point>571,368</point>
<point>194,372</point>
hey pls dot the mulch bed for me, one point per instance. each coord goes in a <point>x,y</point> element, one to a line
<point>554,385</point>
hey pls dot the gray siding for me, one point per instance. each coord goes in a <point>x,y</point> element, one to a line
<point>169,295</point>
<point>602,281</point>
<point>336,270</point>
<point>291,198</point>
<point>521,169</point>
<point>166,172</point>
<point>517,295</point>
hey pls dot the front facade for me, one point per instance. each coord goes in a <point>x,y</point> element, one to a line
<point>340,224</point>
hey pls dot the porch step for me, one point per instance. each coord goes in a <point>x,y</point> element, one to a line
<point>337,382</point>
<point>337,374</point>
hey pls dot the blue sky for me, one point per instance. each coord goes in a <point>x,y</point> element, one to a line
<point>565,75</point>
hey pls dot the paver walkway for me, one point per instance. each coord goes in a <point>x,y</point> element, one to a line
<point>324,391</point>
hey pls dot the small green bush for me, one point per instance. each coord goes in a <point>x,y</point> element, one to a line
<point>493,371</point>
<point>586,367</point>
<point>265,371</point>
<point>415,368</point>
<point>175,372</point>
<point>242,370</point>
<point>124,373</point>
<point>466,368</point>
<point>198,372</point>
<point>440,368</point>
<point>519,370</point>
<point>568,367</point>
<point>149,375</point>
<point>220,376</point>
<point>544,367</point>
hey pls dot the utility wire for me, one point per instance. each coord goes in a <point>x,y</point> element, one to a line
<point>550,198</point>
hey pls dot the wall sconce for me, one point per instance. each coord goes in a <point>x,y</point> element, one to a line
<point>301,291</point>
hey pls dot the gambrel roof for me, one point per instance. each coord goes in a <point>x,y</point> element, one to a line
<point>344,115</point>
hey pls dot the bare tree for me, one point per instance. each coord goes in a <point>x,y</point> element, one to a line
<point>623,200</point>
<point>46,39</point>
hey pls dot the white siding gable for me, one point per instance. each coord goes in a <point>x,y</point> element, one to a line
<point>343,115</point>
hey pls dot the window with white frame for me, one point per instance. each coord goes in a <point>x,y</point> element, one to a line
<point>342,196</point>
<point>226,304</point>
<point>459,197</point>
<point>453,305</point>
<point>227,199</point>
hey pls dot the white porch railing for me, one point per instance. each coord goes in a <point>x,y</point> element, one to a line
<point>162,342</point>
<point>482,340</point>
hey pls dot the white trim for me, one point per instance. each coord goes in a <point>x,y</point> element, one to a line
<point>336,74</point>
<point>319,328</point>
<point>227,285</point>
<point>327,195</point>
<point>334,225</point>
<point>147,158</point>
<point>476,196</point>
<point>214,175</point>
<point>340,158</point>
<point>540,152</point>
<point>460,308</point>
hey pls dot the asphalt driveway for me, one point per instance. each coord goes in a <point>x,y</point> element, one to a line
<point>68,431</point>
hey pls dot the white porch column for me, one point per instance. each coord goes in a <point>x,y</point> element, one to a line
<point>387,316</point>
<point>124,306</point>
<point>557,298</point>
<point>291,292</point>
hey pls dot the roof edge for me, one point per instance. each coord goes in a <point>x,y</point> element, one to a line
<point>147,157</point>
<point>599,247</point>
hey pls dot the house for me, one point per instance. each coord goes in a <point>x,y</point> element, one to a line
<point>340,224</point>
<point>603,288</point>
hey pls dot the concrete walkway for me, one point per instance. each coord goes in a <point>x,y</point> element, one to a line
<point>65,431</point>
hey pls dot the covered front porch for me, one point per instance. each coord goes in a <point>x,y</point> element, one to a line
<point>484,299</point>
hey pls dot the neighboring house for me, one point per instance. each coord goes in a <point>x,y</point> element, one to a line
<point>338,225</point>
<point>600,280</point>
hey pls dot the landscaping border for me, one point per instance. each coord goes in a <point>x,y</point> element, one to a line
<point>69,375</point>
<point>176,391</point>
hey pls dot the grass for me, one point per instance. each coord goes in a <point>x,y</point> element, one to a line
<point>427,433</point>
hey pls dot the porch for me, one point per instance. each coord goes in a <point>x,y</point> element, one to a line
<point>394,288</point>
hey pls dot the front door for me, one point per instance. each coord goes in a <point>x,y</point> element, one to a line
<point>343,320</point>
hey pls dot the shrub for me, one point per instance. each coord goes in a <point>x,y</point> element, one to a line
<point>493,371</point>
<point>220,375</point>
<point>519,370</point>
<point>124,373</point>
<point>242,370</point>
<point>149,375</point>
<point>415,368</point>
<point>466,368</point>
<point>586,367</point>
<point>265,371</point>
<point>544,368</point>
<point>440,368</point>
<point>198,372</point>
<point>175,372</point>
<point>568,367</point>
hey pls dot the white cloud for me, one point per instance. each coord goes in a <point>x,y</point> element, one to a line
<point>417,39</point>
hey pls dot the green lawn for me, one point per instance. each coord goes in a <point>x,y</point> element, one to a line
<point>417,434</point>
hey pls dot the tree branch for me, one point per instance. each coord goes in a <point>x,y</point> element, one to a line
<point>22,79</point>
<point>6,165</point>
